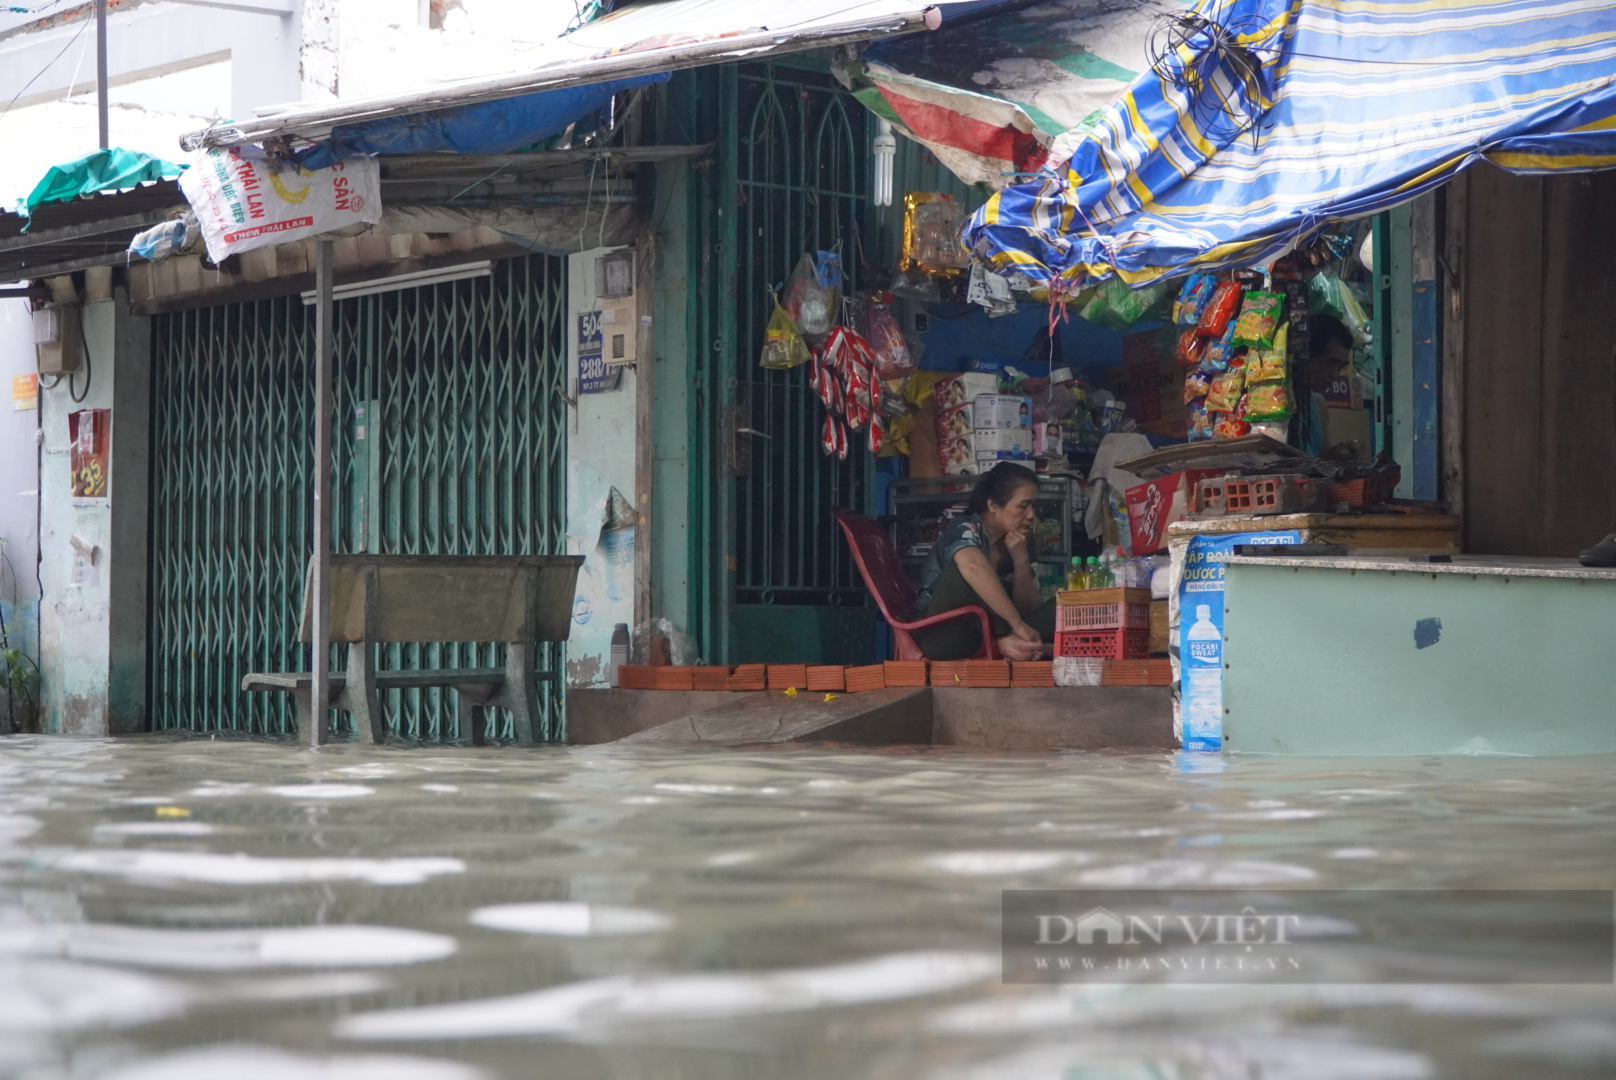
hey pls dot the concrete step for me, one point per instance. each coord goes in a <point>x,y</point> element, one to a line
<point>1067,718</point>
<point>891,717</point>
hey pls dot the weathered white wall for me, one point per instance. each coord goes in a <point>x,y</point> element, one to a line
<point>92,631</point>
<point>600,458</point>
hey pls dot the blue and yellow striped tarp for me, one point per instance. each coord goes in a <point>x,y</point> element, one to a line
<point>1356,106</point>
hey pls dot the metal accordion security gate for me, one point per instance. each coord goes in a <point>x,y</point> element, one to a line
<point>449,440</point>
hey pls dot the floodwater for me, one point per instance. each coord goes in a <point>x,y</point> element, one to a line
<point>191,909</point>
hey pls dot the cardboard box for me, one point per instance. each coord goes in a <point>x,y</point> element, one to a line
<point>1156,504</point>
<point>1152,383</point>
<point>1158,627</point>
<point>1001,412</point>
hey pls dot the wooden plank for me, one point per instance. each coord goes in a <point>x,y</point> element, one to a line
<point>1455,222</point>
<point>1578,408</point>
<point>1503,392</point>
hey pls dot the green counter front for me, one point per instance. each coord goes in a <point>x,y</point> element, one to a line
<point>1387,655</point>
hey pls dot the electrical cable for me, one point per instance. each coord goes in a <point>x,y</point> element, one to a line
<point>44,69</point>
<point>89,370</point>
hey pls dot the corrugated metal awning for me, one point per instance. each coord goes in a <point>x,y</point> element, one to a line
<point>646,37</point>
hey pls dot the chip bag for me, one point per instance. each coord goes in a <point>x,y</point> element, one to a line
<point>1268,401</point>
<point>1220,310</point>
<point>783,345</point>
<point>1200,421</point>
<point>1219,353</point>
<point>1191,347</point>
<point>1226,388</point>
<point>1192,298</point>
<point>1268,365</point>
<point>1259,317</point>
<point>1197,384</point>
<point>1230,426</point>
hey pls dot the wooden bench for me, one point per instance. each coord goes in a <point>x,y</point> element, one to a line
<point>518,599</point>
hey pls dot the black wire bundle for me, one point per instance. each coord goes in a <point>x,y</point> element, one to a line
<point>1222,78</point>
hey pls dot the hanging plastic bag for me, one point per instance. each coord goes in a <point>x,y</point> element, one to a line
<point>1259,318</point>
<point>811,302</point>
<point>783,346</point>
<point>1117,307</point>
<point>1328,295</point>
<point>893,359</point>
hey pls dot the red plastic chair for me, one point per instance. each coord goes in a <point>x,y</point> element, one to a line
<point>895,594</point>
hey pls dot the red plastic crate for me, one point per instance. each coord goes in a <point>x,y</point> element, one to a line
<point>1128,644</point>
<point>1102,609</point>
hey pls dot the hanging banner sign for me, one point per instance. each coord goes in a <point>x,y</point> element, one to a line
<point>245,203</point>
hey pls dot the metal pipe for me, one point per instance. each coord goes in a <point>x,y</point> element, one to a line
<point>101,70</point>
<point>318,121</point>
<point>320,583</point>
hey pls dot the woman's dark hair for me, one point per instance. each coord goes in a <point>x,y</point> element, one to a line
<point>999,484</point>
<point>1324,331</point>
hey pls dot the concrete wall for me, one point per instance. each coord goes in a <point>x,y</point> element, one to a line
<point>19,493</point>
<point>600,461</point>
<point>93,617</point>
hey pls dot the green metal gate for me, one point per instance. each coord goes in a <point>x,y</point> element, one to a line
<point>450,440</point>
<point>791,174</point>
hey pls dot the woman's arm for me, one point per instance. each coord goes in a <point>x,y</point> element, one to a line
<point>1024,584</point>
<point>978,574</point>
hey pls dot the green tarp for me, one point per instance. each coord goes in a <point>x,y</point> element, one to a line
<point>105,170</point>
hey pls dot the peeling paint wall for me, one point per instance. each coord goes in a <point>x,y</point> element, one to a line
<point>92,617</point>
<point>600,461</point>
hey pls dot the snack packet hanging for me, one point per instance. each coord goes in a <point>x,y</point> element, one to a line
<point>1199,425</point>
<point>1226,389</point>
<point>893,359</point>
<point>1197,384</point>
<point>1220,310</point>
<point>1191,347</point>
<point>1268,365</point>
<point>1278,430</point>
<point>1268,401</point>
<point>1229,426</point>
<point>783,346</point>
<point>1192,299</point>
<point>1219,353</point>
<point>1259,317</point>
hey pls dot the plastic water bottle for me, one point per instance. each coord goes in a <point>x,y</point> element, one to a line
<point>619,653</point>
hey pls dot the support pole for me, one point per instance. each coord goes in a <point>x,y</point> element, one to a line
<point>320,585</point>
<point>101,70</point>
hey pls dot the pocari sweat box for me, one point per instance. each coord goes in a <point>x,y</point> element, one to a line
<point>1200,627</point>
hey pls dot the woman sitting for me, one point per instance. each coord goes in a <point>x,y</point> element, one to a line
<point>984,559</point>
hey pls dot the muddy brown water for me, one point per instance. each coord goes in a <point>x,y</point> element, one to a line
<point>179,908</point>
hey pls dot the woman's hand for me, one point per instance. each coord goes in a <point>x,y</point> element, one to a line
<point>1023,632</point>
<point>1015,545</point>
<point>1012,647</point>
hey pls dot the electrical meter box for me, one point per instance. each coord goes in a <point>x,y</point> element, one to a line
<point>619,312</point>
<point>58,344</point>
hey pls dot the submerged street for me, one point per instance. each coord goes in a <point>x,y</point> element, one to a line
<point>191,907</point>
